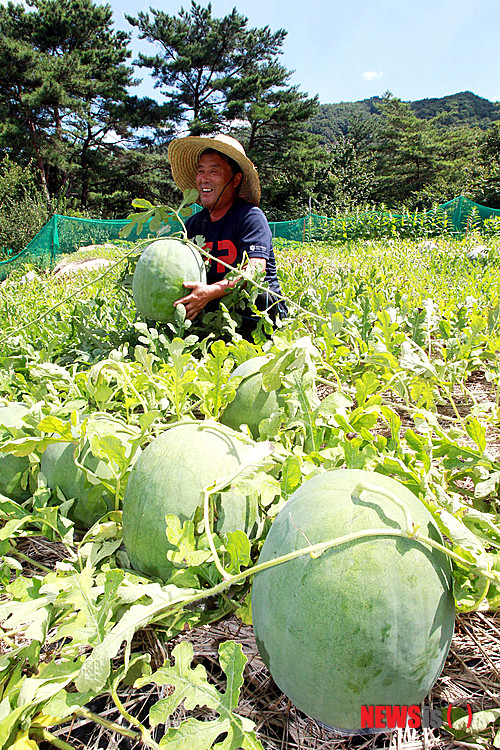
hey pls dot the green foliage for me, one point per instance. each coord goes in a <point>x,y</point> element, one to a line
<point>219,71</point>
<point>139,172</point>
<point>192,687</point>
<point>273,116</point>
<point>205,60</point>
<point>66,111</point>
<point>64,91</point>
<point>23,207</point>
<point>420,153</point>
<point>371,224</point>
<point>466,108</point>
<point>347,177</point>
<point>406,150</point>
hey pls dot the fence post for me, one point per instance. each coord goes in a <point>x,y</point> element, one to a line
<point>457,215</point>
<point>54,245</point>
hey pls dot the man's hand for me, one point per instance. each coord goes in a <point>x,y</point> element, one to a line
<point>194,302</point>
<point>202,293</point>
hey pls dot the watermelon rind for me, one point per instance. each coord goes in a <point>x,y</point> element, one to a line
<point>60,470</point>
<point>59,465</point>
<point>168,478</point>
<point>159,277</point>
<point>251,403</point>
<point>366,623</point>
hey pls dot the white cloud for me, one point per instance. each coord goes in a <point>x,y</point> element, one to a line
<point>370,75</point>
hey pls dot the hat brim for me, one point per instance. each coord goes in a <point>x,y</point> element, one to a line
<point>184,155</point>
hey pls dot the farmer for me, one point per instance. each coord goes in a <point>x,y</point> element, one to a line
<point>231,222</point>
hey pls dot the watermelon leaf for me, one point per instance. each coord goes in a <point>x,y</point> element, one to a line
<point>191,686</point>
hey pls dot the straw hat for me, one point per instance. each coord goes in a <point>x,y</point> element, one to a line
<point>184,155</point>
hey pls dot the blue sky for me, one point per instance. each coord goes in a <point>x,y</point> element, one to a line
<point>351,50</point>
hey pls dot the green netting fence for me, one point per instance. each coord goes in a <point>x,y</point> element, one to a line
<point>457,217</point>
<point>66,234</point>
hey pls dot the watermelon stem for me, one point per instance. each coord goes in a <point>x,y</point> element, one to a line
<point>84,713</point>
<point>411,528</point>
<point>145,734</point>
<point>43,734</point>
<point>321,547</point>
<point>29,560</point>
<point>117,494</point>
<point>210,424</point>
<point>329,382</point>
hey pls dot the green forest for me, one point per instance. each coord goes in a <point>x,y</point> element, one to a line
<point>76,140</point>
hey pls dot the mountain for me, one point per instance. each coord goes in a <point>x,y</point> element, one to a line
<point>465,108</point>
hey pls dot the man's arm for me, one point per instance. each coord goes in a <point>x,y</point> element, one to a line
<point>201,294</point>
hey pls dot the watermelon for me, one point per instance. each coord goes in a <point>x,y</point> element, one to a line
<point>251,403</point>
<point>159,277</point>
<point>13,467</point>
<point>168,478</point>
<point>60,469</point>
<point>366,623</point>
<point>59,465</point>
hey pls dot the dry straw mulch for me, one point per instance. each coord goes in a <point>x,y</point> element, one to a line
<point>471,675</point>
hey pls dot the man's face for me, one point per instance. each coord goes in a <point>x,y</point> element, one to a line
<point>216,183</point>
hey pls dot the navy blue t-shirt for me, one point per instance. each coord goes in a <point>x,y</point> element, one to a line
<point>243,229</point>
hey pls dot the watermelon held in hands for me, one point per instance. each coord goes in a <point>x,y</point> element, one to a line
<point>251,403</point>
<point>366,623</point>
<point>168,478</point>
<point>13,467</point>
<point>159,277</point>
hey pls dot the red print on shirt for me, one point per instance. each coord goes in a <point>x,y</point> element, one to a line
<point>229,256</point>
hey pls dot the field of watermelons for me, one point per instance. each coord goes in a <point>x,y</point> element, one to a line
<point>343,468</point>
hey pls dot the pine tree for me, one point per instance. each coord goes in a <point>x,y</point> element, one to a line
<point>222,75</point>
<point>203,59</point>
<point>406,151</point>
<point>63,87</point>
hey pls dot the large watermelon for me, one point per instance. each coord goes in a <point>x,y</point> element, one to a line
<point>159,275</point>
<point>13,467</point>
<point>367,623</point>
<point>59,465</point>
<point>168,478</point>
<point>251,403</point>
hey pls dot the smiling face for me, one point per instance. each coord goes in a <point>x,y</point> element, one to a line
<point>216,184</point>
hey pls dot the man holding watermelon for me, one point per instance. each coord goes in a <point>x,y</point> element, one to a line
<point>231,222</point>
